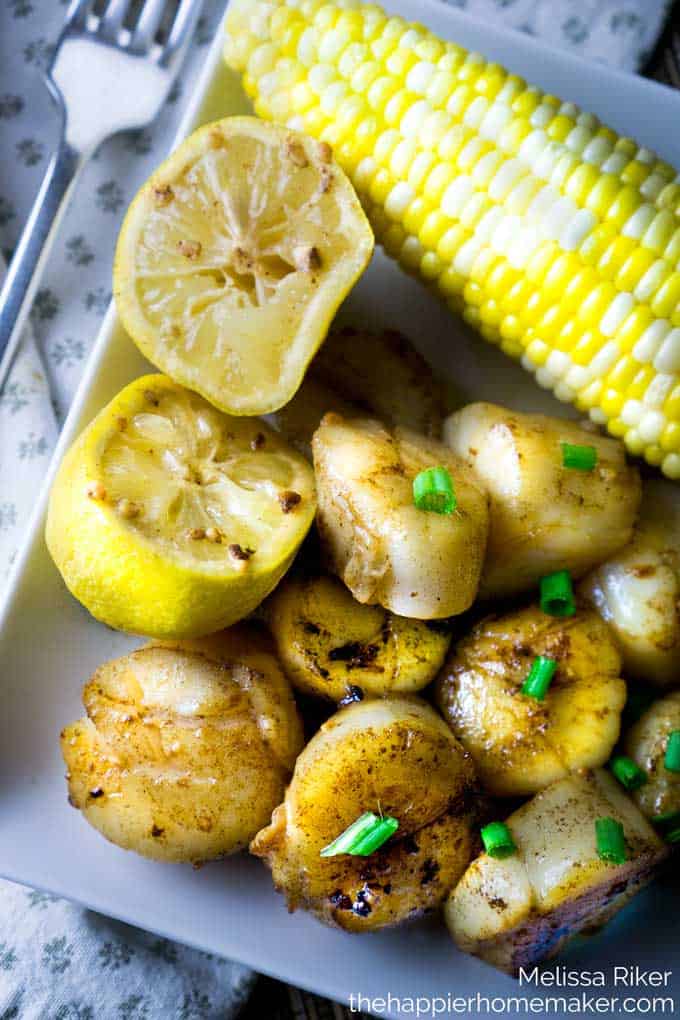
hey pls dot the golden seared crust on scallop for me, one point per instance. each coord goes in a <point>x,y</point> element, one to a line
<point>391,756</point>
<point>330,645</point>
<point>183,753</point>
<point>637,590</point>
<point>519,744</point>
<point>522,909</point>
<point>384,375</point>
<point>416,563</point>
<point>646,743</point>
<point>543,517</point>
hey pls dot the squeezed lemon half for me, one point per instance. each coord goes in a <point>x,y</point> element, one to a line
<point>234,257</point>
<point>171,519</point>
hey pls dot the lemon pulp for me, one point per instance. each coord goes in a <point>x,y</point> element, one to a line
<point>171,519</point>
<point>234,257</point>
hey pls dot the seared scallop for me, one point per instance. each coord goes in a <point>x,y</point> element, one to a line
<point>392,757</point>
<point>356,373</point>
<point>637,590</point>
<point>519,743</point>
<point>516,911</point>
<point>647,744</point>
<point>417,563</point>
<point>185,750</point>
<point>298,420</point>
<point>543,516</point>
<point>384,375</point>
<point>334,647</point>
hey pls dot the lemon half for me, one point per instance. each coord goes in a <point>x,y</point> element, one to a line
<point>170,519</point>
<point>234,257</point>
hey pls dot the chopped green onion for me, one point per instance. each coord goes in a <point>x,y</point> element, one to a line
<point>581,458</point>
<point>557,594</point>
<point>362,837</point>
<point>669,824</point>
<point>611,841</point>
<point>670,819</point>
<point>672,757</point>
<point>497,840</point>
<point>540,677</point>
<point>433,490</point>
<point>628,772</point>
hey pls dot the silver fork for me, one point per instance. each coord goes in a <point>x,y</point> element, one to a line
<point>112,68</point>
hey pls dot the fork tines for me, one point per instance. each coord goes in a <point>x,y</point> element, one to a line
<point>135,25</point>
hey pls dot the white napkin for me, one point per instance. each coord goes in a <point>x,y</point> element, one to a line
<point>621,33</point>
<point>28,433</point>
<point>58,961</point>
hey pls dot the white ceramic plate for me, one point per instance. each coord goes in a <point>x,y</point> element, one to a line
<point>49,645</point>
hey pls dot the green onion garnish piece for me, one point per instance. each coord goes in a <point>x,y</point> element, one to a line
<point>362,837</point>
<point>540,677</point>
<point>673,836</point>
<point>628,772</point>
<point>580,458</point>
<point>611,841</point>
<point>557,594</point>
<point>433,491</point>
<point>497,840</point>
<point>670,820</point>
<point>672,757</point>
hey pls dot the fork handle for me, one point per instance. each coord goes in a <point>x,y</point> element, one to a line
<point>23,273</point>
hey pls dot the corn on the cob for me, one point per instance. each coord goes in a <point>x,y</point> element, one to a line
<point>553,236</point>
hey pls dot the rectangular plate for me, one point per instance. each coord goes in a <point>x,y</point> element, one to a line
<point>49,645</point>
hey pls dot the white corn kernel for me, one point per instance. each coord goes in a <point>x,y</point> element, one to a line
<point>668,357</point>
<point>637,224</point>
<point>419,77</point>
<point>651,426</point>
<point>671,466</point>
<point>618,310</point>
<point>495,119</point>
<point>577,229</point>
<point>646,348</point>
<point>456,195</point>
<point>412,121</point>
<point>658,390</point>
<point>398,200</point>
<point>597,150</point>
<point>652,185</point>
<point>631,412</point>
<point>651,280</point>
<point>505,178</point>
<point>605,359</point>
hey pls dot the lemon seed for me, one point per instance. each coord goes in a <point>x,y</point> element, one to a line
<point>127,509</point>
<point>190,249</point>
